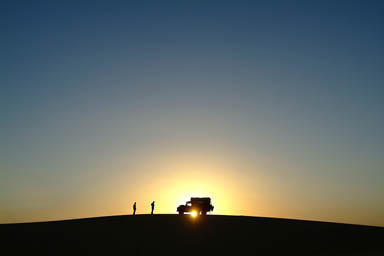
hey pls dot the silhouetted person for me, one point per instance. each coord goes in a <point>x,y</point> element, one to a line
<point>134,208</point>
<point>153,207</point>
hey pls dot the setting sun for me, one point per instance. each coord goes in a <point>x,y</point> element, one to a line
<point>194,214</point>
<point>182,177</point>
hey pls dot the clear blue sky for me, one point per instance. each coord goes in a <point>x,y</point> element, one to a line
<point>282,100</point>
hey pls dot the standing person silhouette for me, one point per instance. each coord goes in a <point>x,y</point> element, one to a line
<point>134,208</point>
<point>153,207</point>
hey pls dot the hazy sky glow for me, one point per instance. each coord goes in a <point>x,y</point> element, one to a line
<point>272,108</point>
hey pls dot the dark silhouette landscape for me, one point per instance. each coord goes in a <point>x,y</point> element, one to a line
<point>169,234</point>
<point>269,107</point>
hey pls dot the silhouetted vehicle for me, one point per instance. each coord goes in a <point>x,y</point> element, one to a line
<point>200,205</point>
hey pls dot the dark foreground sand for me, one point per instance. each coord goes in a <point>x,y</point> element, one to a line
<point>183,235</point>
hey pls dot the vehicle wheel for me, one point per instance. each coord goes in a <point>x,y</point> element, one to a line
<point>181,212</point>
<point>203,213</point>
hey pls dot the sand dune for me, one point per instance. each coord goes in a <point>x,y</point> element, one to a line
<point>168,234</point>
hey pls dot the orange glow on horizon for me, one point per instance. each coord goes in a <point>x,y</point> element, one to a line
<point>175,182</point>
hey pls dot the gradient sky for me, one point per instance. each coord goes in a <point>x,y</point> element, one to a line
<point>272,108</point>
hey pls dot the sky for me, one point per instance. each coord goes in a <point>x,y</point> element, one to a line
<point>271,108</point>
